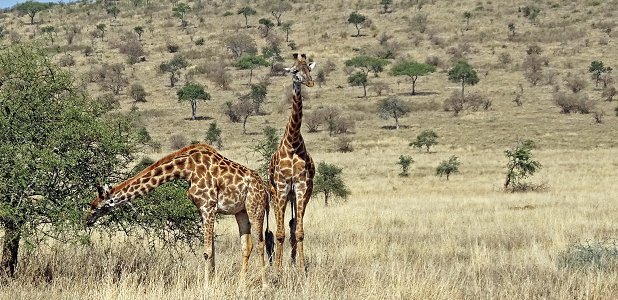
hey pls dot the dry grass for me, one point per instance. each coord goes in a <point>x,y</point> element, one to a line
<point>419,237</point>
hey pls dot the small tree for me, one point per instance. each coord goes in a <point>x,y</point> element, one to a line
<point>240,44</point>
<point>265,149</point>
<point>258,96</point>
<point>180,11</point>
<point>463,73</point>
<point>359,79</point>
<point>31,8</point>
<point>173,67</point>
<point>448,167</point>
<point>609,93</point>
<point>101,28</point>
<point>138,93</point>
<point>467,15</point>
<point>114,11</point>
<point>511,27</point>
<point>250,62</point>
<point>192,92</point>
<point>367,64</point>
<point>244,109</point>
<point>267,24</point>
<point>413,70</point>
<point>213,135</point>
<point>520,163</point>
<point>404,162</point>
<point>139,30</point>
<point>287,27</point>
<point>597,69</point>
<point>246,12</point>
<point>50,31</point>
<point>328,182</point>
<point>277,8</point>
<point>385,5</point>
<point>427,139</point>
<point>358,21</point>
<point>393,107</point>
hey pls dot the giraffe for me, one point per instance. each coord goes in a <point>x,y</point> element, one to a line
<point>291,169</point>
<point>217,185</point>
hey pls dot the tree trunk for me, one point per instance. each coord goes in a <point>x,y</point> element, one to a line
<point>508,178</point>
<point>244,125</point>
<point>287,36</point>
<point>357,30</point>
<point>10,247</point>
<point>396,122</point>
<point>250,75</point>
<point>326,199</point>
<point>193,109</point>
<point>447,175</point>
<point>246,22</point>
<point>414,85</point>
<point>365,90</point>
<point>463,82</point>
<point>32,18</point>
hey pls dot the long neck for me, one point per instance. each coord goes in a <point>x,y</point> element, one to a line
<point>171,167</point>
<point>292,131</point>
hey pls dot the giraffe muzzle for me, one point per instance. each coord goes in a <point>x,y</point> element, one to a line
<point>309,83</point>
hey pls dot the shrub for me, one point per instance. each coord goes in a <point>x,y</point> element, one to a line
<point>404,162</point>
<point>590,256</point>
<point>66,60</point>
<point>427,139</point>
<point>314,119</point>
<point>379,88</point>
<point>569,103</point>
<point>265,149</point>
<point>137,92</point>
<point>520,163</point>
<point>178,141</point>
<point>172,47</point>
<point>200,41</point>
<point>609,93</point>
<point>393,107</point>
<point>575,83</point>
<point>418,22</point>
<point>455,102</point>
<point>505,58</point>
<point>328,182</point>
<point>131,47</point>
<point>344,144</point>
<point>88,51</point>
<point>213,135</point>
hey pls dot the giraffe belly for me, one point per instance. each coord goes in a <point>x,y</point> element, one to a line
<point>229,207</point>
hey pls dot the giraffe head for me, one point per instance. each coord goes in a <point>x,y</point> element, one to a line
<point>301,71</point>
<point>101,205</point>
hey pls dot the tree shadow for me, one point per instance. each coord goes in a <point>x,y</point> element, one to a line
<point>200,118</point>
<point>417,94</point>
<point>392,127</point>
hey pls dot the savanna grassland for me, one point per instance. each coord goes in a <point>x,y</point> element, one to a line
<point>415,237</point>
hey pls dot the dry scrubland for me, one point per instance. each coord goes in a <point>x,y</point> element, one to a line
<point>395,238</point>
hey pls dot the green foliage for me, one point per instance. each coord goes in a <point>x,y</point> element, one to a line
<point>448,167</point>
<point>287,27</point>
<point>139,30</point>
<point>328,182</point>
<point>180,11</point>
<point>520,163</point>
<point>531,12</point>
<point>192,92</point>
<point>258,95</point>
<point>368,64</point>
<point>597,69</point>
<point>50,31</point>
<point>358,21</point>
<point>427,139</point>
<point>31,8</point>
<point>250,62</point>
<point>113,10</point>
<point>267,24</point>
<point>137,92</point>
<point>265,149</point>
<point>404,162</point>
<point>246,12</point>
<point>590,256</point>
<point>464,73</point>
<point>54,148</point>
<point>393,107</point>
<point>173,67</point>
<point>385,4</point>
<point>213,135</point>
<point>413,70</point>
<point>359,79</point>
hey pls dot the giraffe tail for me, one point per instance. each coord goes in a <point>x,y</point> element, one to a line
<point>268,235</point>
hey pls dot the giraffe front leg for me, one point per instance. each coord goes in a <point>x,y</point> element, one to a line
<point>208,220</point>
<point>280,234</point>
<point>302,198</point>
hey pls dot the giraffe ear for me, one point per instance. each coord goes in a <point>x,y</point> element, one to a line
<point>295,55</point>
<point>311,66</point>
<point>104,191</point>
<point>303,56</point>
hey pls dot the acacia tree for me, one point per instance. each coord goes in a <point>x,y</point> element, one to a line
<point>277,8</point>
<point>597,69</point>
<point>246,12</point>
<point>467,15</point>
<point>31,8</point>
<point>213,135</point>
<point>258,96</point>
<point>385,4</point>
<point>404,162</point>
<point>173,67</point>
<point>358,20</point>
<point>50,31</point>
<point>448,167</point>
<point>101,28</point>
<point>329,183</point>
<point>239,44</point>
<point>114,11</point>
<point>427,139</point>
<point>267,24</point>
<point>250,62</point>
<point>287,27</point>
<point>52,151</point>
<point>180,11</point>
<point>520,163</point>
<point>463,73</point>
<point>368,64</point>
<point>359,79</point>
<point>413,70</point>
<point>139,30</point>
<point>393,107</point>
<point>192,92</point>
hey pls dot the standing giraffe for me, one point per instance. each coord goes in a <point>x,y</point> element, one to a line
<point>217,185</point>
<point>291,169</point>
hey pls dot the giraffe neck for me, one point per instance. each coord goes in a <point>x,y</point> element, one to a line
<point>166,169</point>
<point>292,131</point>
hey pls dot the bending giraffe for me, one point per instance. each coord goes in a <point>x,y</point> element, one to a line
<point>291,169</point>
<point>217,185</point>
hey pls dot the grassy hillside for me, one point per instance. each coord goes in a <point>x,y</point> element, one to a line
<point>395,238</point>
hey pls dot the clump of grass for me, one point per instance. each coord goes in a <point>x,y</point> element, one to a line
<point>591,256</point>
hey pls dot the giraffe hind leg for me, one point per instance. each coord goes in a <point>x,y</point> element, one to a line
<point>292,224</point>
